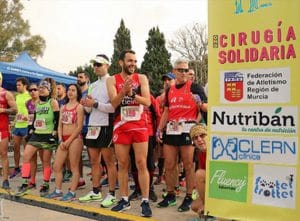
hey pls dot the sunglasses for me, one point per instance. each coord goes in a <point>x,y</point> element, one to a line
<point>32,89</point>
<point>199,136</point>
<point>182,70</point>
<point>98,65</point>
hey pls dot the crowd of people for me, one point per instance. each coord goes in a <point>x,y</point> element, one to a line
<point>125,129</point>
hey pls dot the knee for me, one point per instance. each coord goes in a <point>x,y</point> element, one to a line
<point>3,155</point>
<point>123,164</point>
<point>141,164</point>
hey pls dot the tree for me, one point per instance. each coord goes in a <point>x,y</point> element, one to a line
<point>156,59</point>
<point>15,34</point>
<point>122,42</point>
<point>191,43</point>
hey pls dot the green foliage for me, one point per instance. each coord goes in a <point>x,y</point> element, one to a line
<point>156,60</point>
<point>122,42</point>
<point>15,34</point>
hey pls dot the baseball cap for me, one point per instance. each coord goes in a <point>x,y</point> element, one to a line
<point>100,59</point>
<point>198,129</point>
<point>169,75</point>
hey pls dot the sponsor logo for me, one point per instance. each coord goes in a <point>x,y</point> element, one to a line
<point>268,85</point>
<point>263,149</point>
<point>228,181</point>
<point>261,119</point>
<point>233,86</point>
<point>274,186</point>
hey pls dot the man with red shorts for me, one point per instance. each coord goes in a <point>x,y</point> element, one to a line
<point>7,106</point>
<point>129,93</point>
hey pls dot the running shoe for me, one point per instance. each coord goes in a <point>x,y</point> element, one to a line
<point>186,204</point>
<point>23,190</point>
<point>146,210</point>
<point>54,195</point>
<point>31,186</point>
<point>168,201</point>
<point>121,206</point>
<point>91,196</point>
<point>44,190</point>
<point>5,185</point>
<point>177,192</point>
<point>16,172</point>
<point>108,201</point>
<point>195,194</point>
<point>135,195</point>
<point>68,197</point>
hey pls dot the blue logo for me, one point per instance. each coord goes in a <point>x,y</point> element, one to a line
<point>268,149</point>
<point>276,189</point>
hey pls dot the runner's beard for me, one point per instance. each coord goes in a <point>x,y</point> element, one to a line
<point>127,71</point>
<point>80,83</point>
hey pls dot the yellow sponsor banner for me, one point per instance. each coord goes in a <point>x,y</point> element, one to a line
<point>254,97</point>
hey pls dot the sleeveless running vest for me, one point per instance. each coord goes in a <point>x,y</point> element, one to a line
<point>4,125</point>
<point>69,116</point>
<point>182,106</point>
<point>44,119</point>
<point>21,100</point>
<point>128,101</point>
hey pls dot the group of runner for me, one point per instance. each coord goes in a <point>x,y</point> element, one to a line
<point>116,118</point>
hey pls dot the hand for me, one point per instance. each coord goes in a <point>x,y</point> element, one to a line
<point>159,135</point>
<point>88,101</point>
<point>127,87</point>
<point>197,98</point>
<point>63,146</point>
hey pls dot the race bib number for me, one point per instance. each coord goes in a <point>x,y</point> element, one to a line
<point>93,133</point>
<point>20,118</point>
<point>131,113</point>
<point>40,124</point>
<point>30,119</point>
<point>174,128</point>
<point>186,127</point>
<point>66,118</point>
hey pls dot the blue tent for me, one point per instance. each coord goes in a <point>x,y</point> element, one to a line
<point>25,66</point>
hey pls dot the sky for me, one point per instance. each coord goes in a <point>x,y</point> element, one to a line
<point>76,30</point>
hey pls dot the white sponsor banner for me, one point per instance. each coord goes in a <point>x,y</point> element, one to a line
<point>269,85</point>
<point>262,149</point>
<point>255,119</point>
<point>274,186</point>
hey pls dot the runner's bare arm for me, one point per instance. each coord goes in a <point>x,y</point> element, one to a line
<point>11,103</point>
<point>163,119</point>
<point>144,99</point>
<point>115,98</point>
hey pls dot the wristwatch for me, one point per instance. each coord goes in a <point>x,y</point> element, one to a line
<point>95,105</point>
